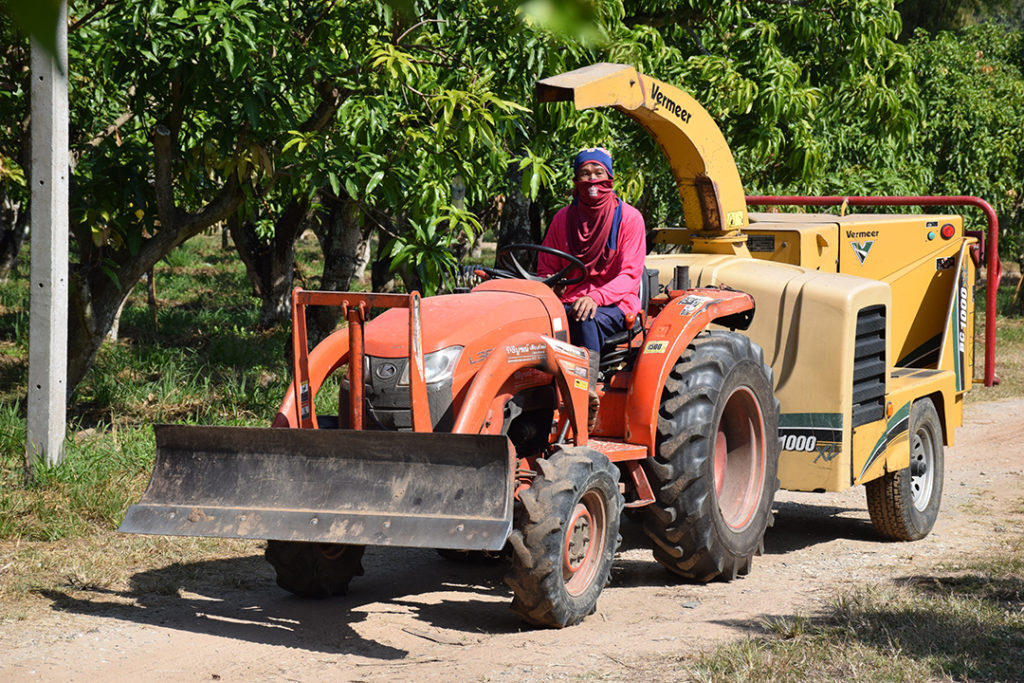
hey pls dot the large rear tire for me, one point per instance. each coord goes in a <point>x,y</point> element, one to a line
<point>314,570</point>
<point>715,469</point>
<point>565,538</point>
<point>905,504</point>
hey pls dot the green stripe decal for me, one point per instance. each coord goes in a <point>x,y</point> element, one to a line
<point>896,425</point>
<point>825,420</point>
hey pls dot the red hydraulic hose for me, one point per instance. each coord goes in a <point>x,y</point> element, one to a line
<point>990,246</point>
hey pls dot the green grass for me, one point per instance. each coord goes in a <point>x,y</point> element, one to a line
<point>203,362</point>
<point>965,623</point>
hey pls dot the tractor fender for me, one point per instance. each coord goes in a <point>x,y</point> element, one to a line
<point>685,316</point>
<point>325,358</point>
<point>497,381</point>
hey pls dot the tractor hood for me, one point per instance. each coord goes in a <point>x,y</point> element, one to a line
<point>476,321</point>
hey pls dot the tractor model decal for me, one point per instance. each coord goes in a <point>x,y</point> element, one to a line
<point>525,353</point>
<point>691,303</point>
<point>568,349</point>
<point>861,249</point>
<point>819,433</point>
<point>894,428</point>
<point>656,347</point>
<point>962,295</point>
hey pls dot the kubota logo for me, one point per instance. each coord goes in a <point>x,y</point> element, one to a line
<point>861,249</point>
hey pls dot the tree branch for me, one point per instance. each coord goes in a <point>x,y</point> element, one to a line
<point>88,16</point>
<point>331,99</point>
<point>109,130</point>
<point>417,25</point>
<point>164,178</point>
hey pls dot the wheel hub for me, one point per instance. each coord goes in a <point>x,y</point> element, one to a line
<point>739,458</point>
<point>922,467</point>
<point>584,542</point>
<point>579,540</point>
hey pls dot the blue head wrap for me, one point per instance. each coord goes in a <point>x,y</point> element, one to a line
<point>598,154</point>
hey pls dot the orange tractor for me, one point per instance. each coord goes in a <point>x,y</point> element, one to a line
<point>461,421</point>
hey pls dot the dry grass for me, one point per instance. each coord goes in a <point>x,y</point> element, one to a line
<point>120,570</point>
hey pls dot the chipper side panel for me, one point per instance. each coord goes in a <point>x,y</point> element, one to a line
<point>807,323</point>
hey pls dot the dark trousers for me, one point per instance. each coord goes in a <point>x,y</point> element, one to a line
<point>591,333</point>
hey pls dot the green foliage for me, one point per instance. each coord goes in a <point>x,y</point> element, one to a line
<point>972,139</point>
<point>37,18</point>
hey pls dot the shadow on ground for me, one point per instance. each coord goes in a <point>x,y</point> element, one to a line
<point>237,598</point>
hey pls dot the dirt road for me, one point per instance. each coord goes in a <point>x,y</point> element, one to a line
<point>415,616</point>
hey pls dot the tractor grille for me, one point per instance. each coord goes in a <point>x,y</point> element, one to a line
<point>869,366</point>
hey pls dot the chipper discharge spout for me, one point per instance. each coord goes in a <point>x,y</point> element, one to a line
<point>417,489</point>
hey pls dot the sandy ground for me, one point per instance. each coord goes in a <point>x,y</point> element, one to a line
<point>415,616</point>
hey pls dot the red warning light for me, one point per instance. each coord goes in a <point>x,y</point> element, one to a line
<point>948,231</point>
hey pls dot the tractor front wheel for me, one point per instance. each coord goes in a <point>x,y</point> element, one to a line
<point>715,469</point>
<point>905,504</point>
<point>314,570</point>
<point>566,535</point>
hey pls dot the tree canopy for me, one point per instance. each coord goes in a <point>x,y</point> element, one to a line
<point>357,119</point>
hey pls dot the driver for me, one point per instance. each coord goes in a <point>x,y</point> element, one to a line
<point>609,236</point>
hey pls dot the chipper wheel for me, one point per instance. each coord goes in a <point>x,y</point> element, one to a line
<point>905,504</point>
<point>715,468</point>
<point>566,534</point>
<point>315,570</point>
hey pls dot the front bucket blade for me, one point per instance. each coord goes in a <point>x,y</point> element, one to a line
<point>329,486</point>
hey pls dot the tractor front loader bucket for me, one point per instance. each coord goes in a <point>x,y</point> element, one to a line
<point>329,486</point>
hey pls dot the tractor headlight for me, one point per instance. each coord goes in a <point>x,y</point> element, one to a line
<point>437,366</point>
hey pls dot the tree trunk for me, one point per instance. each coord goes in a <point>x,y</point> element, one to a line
<point>270,265</point>
<point>345,246</point>
<point>94,298</point>
<point>514,226</point>
<point>103,277</point>
<point>14,221</point>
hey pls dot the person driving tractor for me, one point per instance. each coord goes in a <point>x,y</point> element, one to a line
<point>609,237</point>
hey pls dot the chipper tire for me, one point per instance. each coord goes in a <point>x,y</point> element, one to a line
<point>715,469</point>
<point>905,504</point>
<point>314,570</point>
<point>565,538</point>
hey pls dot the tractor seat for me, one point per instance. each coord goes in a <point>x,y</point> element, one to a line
<point>615,347</point>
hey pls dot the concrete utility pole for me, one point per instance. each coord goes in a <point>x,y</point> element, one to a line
<point>48,306</point>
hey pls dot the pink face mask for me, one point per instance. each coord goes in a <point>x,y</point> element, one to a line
<point>593,192</point>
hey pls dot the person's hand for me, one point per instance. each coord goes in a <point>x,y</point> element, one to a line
<point>584,308</point>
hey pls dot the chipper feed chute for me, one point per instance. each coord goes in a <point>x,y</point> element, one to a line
<point>329,486</point>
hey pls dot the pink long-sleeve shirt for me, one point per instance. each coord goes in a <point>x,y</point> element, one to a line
<point>615,284</point>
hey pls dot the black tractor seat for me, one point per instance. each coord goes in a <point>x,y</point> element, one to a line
<point>615,349</point>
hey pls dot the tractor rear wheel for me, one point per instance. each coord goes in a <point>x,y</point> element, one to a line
<point>715,469</point>
<point>565,538</point>
<point>314,570</point>
<point>905,504</point>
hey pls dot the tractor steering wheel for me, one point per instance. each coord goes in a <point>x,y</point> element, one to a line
<point>507,266</point>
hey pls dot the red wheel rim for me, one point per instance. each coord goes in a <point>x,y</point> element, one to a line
<point>584,542</point>
<point>739,458</point>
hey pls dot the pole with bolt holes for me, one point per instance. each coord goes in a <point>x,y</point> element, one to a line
<point>48,304</point>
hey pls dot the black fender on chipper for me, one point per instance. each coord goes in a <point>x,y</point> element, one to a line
<point>329,486</point>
